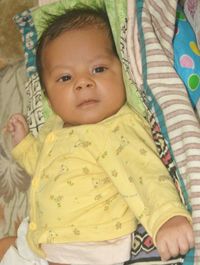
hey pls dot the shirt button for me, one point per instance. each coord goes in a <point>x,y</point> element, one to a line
<point>51,137</point>
<point>34,183</point>
<point>32,226</point>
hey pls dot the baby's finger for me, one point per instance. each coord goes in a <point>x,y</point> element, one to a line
<point>163,251</point>
<point>190,237</point>
<point>20,119</point>
<point>173,248</point>
<point>184,245</point>
<point>4,130</point>
<point>9,127</point>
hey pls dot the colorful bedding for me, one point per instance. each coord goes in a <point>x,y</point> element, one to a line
<point>186,57</point>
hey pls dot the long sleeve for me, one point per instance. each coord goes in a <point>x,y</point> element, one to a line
<point>26,153</point>
<point>131,161</point>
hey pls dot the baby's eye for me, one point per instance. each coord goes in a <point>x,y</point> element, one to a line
<point>99,69</point>
<point>64,78</point>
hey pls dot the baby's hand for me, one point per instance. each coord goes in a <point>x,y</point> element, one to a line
<point>174,237</point>
<point>17,127</point>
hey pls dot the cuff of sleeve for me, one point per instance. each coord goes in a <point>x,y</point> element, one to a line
<point>22,146</point>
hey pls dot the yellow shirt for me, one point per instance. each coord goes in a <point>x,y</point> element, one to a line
<point>95,182</point>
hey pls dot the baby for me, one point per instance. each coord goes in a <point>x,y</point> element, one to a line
<point>96,172</point>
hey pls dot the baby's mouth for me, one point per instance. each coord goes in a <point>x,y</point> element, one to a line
<point>87,103</point>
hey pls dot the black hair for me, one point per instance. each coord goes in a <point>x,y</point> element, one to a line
<point>71,19</point>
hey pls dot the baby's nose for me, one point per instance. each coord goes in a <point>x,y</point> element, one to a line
<point>84,83</point>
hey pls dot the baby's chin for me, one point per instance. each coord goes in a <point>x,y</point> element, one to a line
<point>89,116</point>
<point>91,119</point>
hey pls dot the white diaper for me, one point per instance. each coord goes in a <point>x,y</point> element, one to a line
<point>23,254</point>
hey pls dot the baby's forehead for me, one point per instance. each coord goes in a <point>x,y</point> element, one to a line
<point>88,30</point>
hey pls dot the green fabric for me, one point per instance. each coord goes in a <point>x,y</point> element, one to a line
<point>117,13</point>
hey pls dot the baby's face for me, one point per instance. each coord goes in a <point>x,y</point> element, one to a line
<point>83,77</point>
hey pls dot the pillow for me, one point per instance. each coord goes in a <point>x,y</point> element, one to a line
<point>187,56</point>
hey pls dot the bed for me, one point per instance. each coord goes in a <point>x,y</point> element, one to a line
<point>161,70</point>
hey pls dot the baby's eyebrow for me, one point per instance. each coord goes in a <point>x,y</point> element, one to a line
<point>102,57</point>
<point>59,67</point>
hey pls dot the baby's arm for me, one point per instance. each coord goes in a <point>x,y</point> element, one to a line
<point>174,237</point>
<point>17,127</point>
